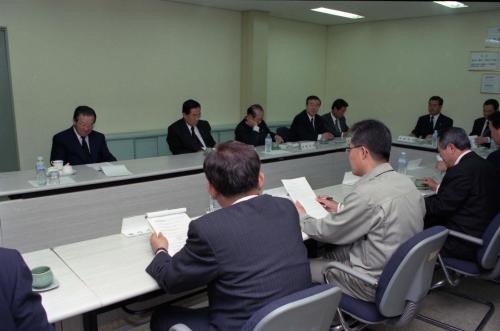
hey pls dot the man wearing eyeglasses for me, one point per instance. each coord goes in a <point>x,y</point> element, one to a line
<point>81,144</point>
<point>383,211</point>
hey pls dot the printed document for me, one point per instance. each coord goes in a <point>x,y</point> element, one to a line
<point>300,190</point>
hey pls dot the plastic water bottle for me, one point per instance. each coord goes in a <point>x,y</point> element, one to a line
<point>41,178</point>
<point>268,144</point>
<point>402,163</point>
<point>435,139</point>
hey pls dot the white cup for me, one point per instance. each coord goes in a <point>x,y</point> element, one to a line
<point>58,164</point>
<point>67,169</point>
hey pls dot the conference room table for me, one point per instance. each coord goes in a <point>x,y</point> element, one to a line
<point>110,270</point>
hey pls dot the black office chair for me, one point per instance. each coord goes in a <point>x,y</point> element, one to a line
<point>486,266</point>
<point>312,309</point>
<point>404,282</point>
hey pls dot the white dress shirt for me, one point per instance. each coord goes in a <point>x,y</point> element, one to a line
<point>80,138</point>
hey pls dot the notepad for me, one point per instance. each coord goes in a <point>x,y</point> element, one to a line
<point>115,170</point>
<point>97,166</point>
<point>173,224</point>
<point>414,164</point>
<point>300,190</point>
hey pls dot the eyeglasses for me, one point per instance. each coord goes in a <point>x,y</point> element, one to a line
<point>349,149</point>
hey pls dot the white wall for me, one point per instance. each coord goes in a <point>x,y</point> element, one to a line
<point>388,70</point>
<point>296,67</point>
<point>134,62</point>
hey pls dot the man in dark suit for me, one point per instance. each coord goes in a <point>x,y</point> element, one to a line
<point>307,125</point>
<point>494,123</point>
<point>253,130</point>
<point>335,122</point>
<point>427,124</point>
<point>20,308</point>
<point>481,127</point>
<point>189,134</point>
<point>80,144</point>
<point>467,198</point>
<point>248,253</point>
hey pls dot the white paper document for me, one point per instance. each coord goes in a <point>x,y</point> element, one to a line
<point>300,190</point>
<point>135,226</point>
<point>97,166</point>
<point>350,178</point>
<point>277,152</point>
<point>414,164</point>
<point>174,227</point>
<point>115,170</point>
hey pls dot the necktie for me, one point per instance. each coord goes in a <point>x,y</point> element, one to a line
<point>312,123</point>
<point>337,124</point>
<point>432,122</point>
<point>195,138</point>
<point>85,147</point>
<point>486,130</point>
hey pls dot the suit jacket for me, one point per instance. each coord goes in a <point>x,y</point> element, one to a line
<point>247,255</point>
<point>332,128</point>
<point>20,308</point>
<point>384,210</point>
<point>494,158</point>
<point>247,135</point>
<point>477,127</point>
<point>67,147</point>
<point>179,137</point>
<point>466,201</point>
<point>424,128</point>
<point>302,128</point>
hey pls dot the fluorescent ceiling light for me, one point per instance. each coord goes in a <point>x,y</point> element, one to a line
<point>337,12</point>
<point>451,4</point>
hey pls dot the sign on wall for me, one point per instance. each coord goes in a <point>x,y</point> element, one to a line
<point>484,60</point>
<point>493,38</point>
<point>490,83</point>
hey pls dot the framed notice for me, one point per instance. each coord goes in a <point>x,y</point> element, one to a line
<point>486,61</point>
<point>493,38</point>
<point>490,83</point>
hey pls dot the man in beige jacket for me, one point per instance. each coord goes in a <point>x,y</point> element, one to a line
<point>383,211</point>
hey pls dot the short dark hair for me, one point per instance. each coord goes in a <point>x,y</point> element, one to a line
<point>339,103</point>
<point>375,136</point>
<point>85,111</point>
<point>312,97</point>
<point>436,98</point>
<point>491,102</point>
<point>232,168</point>
<point>495,119</point>
<point>188,105</point>
<point>252,108</point>
<point>455,136</point>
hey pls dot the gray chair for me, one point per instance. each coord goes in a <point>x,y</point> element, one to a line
<point>486,266</point>
<point>312,309</point>
<point>404,282</point>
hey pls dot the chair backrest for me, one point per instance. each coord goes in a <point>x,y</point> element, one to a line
<point>408,273</point>
<point>312,309</point>
<point>488,254</point>
<point>283,132</point>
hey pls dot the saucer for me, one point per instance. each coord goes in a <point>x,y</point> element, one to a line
<point>55,284</point>
<point>68,174</point>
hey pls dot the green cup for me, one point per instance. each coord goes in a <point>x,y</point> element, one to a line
<point>42,277</point>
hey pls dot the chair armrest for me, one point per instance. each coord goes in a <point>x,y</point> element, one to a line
<point>357,274</point>
<point>179,327</point>
<point>466,237</point>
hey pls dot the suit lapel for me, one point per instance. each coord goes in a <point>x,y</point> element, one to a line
<point>77,145</point>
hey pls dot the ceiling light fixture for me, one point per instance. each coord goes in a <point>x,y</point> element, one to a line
<point>337,13</point>
<point>451,4</point>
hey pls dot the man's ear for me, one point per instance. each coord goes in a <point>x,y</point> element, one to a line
<point>260,184</point>
<point>212,191</point>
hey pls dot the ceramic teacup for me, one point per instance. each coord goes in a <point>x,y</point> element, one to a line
<point>42,276</point>
<point>67,169</point>
<point>58,164</point>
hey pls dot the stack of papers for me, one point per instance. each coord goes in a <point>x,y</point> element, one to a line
<point>173,224</point>
<point>300,190</point>
<point>115,170</point>
<point>97,166</point>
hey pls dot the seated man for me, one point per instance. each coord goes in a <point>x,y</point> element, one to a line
<point>427,124</point>
<point>189,134</point>
<point>307,125</point>
<point>481,127</point>
<point>20,308</point>
<point>335,120</point>
<point>253,130</point>
<point>248,253</point>
<point>383,211</point>
<point>467,198</point>
<point>494,122</point>
<point>80,144</point>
